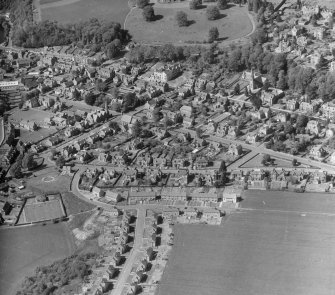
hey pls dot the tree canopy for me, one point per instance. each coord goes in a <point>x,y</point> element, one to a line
<point>148,13</point>
<point>213,34</point>
<point>195,4</point>
<point>212,12</point>
<point>181,19</point>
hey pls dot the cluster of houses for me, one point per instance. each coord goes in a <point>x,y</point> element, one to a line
<point>104,274</point>
<point>278,178</point>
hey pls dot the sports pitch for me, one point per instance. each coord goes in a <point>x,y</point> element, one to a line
<point>43,211</point>
<point>256,251</point>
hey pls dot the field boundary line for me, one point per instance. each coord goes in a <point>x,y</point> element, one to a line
<point>286,211</point>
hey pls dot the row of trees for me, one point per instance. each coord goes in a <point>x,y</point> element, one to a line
<point>26,162</point>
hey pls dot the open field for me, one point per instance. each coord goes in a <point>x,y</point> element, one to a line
<point>75,205</point>
<point>69,11</point>
<point>56,183</point>
<point>35,136</point>
<point>234,23</point>
<point>23,249</point>
<point>320,203</point>
<point>31,115</point>
<point>257,251</point>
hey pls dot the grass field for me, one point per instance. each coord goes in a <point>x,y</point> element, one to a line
<point>113,10</point>
<point>60,184</point>
<point>75,205</point>
<point>234,23</point>
<point>23,249</point>
<point>257,250</point>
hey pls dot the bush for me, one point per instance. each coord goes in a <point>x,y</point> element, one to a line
<point>212,12</point>
<point>142,3</point>
<point>195,4</point>
<point>148,13</point>
<point>222,4</point>
<point>181,19</point>
<point>213,34</point>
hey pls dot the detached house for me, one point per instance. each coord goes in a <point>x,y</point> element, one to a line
<point>313,127</point>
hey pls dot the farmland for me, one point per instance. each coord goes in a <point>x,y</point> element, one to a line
<point>29,247</point>
<point>70,11</point>
<point>233,23</point>
<point>270,250</point>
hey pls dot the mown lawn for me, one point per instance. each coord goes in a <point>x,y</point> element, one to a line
<point>111,10</point>
<point>233,23</point>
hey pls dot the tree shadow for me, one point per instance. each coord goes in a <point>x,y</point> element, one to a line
<point>190,22</point>
<point>221,16</point>
<point>202,6</point>
<point>158,17</point>
<point>221,39</point>
<point>230,5</point>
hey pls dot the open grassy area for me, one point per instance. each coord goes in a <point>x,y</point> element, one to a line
<point>113,10</point>
<point>288,201</point>
<point>234,23</point>
<point>48,181</point>
<point>23,249</point>
<point>271,248</point>
<point>75,205</point>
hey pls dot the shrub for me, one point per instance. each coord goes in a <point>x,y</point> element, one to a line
<point>181,19</point>
<point>212,12</point>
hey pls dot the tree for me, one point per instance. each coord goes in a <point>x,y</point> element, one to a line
<point>198,132</point>
<point>256,101</point>
<point>113,49</point>
<point>266,158</point>
<point>28,161</point>
<point>281,83</point>
<point>322,62</point>
<point>302,121</point>
<point>137,128</point>
<point>156,114</point>
<point>148,13</point>
<point>115,126</point>
<point>222,4</point>
<point>129,101</point>
<point>15,171</point>
<point>181,19</point>
<point>60,162</point>
<point>90,98</point>
<point>195,4</point>
<point>142,3</point>
<point>213,34</point>
<point>237,89</point>
<point>101,86</point>
<point>212,12</point>
<point>255,5</point>
<point>331,22</point>
<point>259,36</point>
